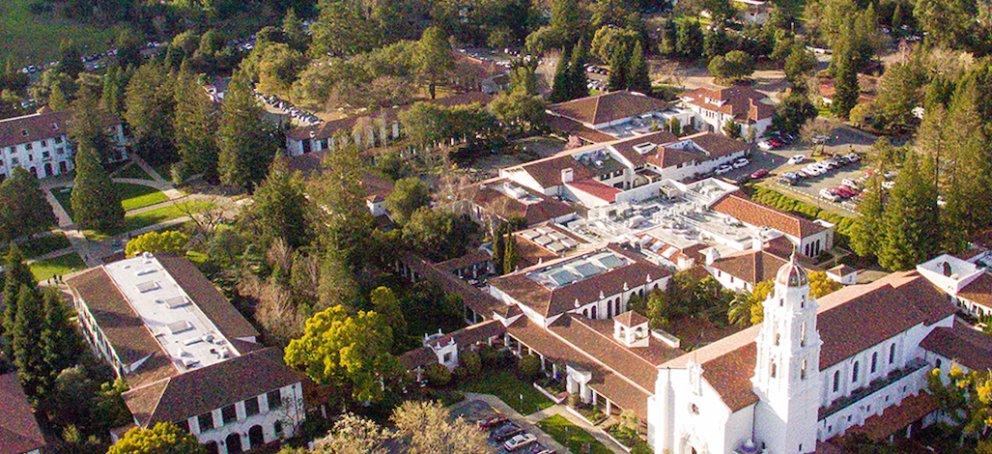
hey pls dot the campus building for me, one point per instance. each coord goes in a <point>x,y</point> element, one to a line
<point>40,143</point>
<point>187,355</point>
<point>712,108</point>
<point>19,430</point>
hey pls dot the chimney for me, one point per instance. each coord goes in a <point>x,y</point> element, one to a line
<point>567,175</point>
<point>711,255</point>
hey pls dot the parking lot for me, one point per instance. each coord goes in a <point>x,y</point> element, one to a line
<point>476,411</point>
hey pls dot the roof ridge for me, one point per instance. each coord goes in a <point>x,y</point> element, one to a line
<point>596,360</point>
<point>611,339</point>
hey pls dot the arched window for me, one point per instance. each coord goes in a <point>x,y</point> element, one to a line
<point>778,337</point>
<point>892,353</point>
<point>836,380</point>
<point>802,370</point>
<point>874,361</point>
<point>802,335</point>
<point>774,370</point>
<point>854,372</point>
<point>938,363</point>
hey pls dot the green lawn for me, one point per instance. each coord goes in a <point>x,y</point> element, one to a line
<point>44,245</point>
<point>515,392</point>
<point>151,217</point>
<point>132,171</point>
<point>34,39</point>
<point>570,435</point>
<point>133,196</point>
<point>64,264</point>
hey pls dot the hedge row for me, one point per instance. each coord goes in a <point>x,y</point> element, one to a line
<point>783,202</point>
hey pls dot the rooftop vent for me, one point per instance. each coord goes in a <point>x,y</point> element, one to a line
<point>145,271</point>
<point>147,286</point>
<point>645,147</point>
<point>176,302</point>
<point>179,327</point>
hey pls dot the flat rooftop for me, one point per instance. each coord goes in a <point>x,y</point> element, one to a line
<point>643,124</point>
<point>187,336</point>
<point>571,271</point>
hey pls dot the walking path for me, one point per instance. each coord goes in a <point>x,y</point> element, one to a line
<point>529,422</point>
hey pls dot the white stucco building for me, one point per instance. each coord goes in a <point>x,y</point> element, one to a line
<point>40,143</point>
<point>712,108</point>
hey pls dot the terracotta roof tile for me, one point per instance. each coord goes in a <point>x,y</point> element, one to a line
<point>878,428</point>
<point>45,125</point>
<point>630,319</point>
<point>607,107</point>
<point>542,210</point>
<point>979,291</point>
<point>418,357</point>
<point>596,189</point>
<point>573,128</point>
<point>963,344</point>
<point>19,430</point>
<point>215,306</point>
<point>626,147</point>
<point>750,266</point>
<point>750,212</point>
<point>547,171</point>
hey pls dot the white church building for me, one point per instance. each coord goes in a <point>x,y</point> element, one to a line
<point>812,371</point>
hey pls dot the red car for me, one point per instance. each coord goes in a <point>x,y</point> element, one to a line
<point>844,192</point>
<point>491,421</point>
<point>758,174</point>
<point>775,143</point>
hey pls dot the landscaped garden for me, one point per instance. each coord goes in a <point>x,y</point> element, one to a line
<point>45,244</point>
<point>152,217</point>
<point>517,393</point>
<point>132,171</point>
<point>572,436</point>
<point>63,264</point>
<point>133,196</point>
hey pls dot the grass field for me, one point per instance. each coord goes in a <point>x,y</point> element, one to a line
<point>515,392</point>
<point>44,245</point>
<point>63,264</point>
<point>34,39</point>
<point>151,217</point>
<point>133,196</point>
<point>572,436</point>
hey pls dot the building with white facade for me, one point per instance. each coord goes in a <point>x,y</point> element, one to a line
<point>186,353</point>
<point>614,115</point>
<point>40,143</point>
<point>968,282</point>
<point>712,108</point>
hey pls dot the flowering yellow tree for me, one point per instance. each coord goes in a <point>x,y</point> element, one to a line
<point>966,398</point>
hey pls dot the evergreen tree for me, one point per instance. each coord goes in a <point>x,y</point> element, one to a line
<point>95,203</point>
<point>112,96</point>
<point>292,29</point>
<point>714,42</point>
<point>689,39</point>
<point>911,219</point>
<point>70,62</point>
<point>577,81</point>
<point>195,123</point>
<point>26,337</point>
<point>868,230</point>
<point>560,85</point>
<point>618,78</point>
<point>56,98</point>
<point>499,247</point>
<point>669,36</point>
<point>640,80</point>
<point>245,145</point>
<point>510,256</point>
<point>896,21</point>
<point>21,203</point>
<point>279,211</point>
<point>59,343</point>
<point>16,275</point>
<point>87,127</point>
<point>346,219</point>
<point>150,109</point>
<point>846,88</point>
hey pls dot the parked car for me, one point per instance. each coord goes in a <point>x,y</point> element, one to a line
<point>844,191</point>
<point>491,421</point>
<point>826,194</point>
<point>851,183</point>
<point>758,174</point>
<point>723,169</point>
<point>519,441</point>
<point>742,162</point>
<point>765,145</point>
<point>797,159</point>
<point>888,184</point>
<point>853,157</point>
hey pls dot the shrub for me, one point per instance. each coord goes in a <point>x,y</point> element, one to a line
<point>529,367</point>
<point>574,400</point>
<point>437,375</point>
<point>471,362</point>
<point>461,373</point>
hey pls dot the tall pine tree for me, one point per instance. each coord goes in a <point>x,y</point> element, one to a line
<point>150,108</point>
<point>95,202</point>
<point>279,210</point>
<point>618,78</point>
<point>846,88</point>
<point>578,84</point>
<point>868,230</point>
<point>638,73</point>
<point>26,337</point>
<point>911,220</point>
<point>245,144</point>
<point>560,86</point>
<point>195,123</point>
<point>59,343</point>
<point>16,274</point>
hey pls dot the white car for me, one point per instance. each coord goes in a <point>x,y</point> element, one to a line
<point>826,194</point>
<point>519,441</point>
<point>723,169</point>
<point>797,159</point>
<point>765,145</point>
<point>742,162</point>
<point>813,170</point>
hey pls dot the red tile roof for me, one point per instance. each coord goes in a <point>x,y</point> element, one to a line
<point>608,107</point>
<point>550,302</point>
<point>596,189</point>
<point>878,428</point>
<point>965,345</point>
<point>876,311</point>
<point>743,103</point>
<point>502,205</point>
<point>626,147</point>
<point>547,171</point>
<point>418,357</point>
<point>750,212</point>
<point>208,388</point>
<point>979,291</point>
<point>19,430</point>
<point>482,303</point>
<point>329,128</point>
<point>750,266</point>
<point>44,125</point>
<point>630,319</point>
<point>573,128</point>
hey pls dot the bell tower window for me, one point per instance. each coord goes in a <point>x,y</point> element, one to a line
<point>773,370</point>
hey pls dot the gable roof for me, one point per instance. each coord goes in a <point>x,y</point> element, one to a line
<point>741,102</point>
<point>43,125</point>
<point>978,291</point>
<point>626,147</point>
<point>717,145</point>
<point>596,189</point>
<point>547,171</point>
<point>876,311</point>
<point>961,343</point>
<point>750,266</point>
<point>537,212</point>
<point>19,430</point>
<point>738,206</point>
<point>215,306</point>
<point>204,389</point>
<point>607,107</point>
